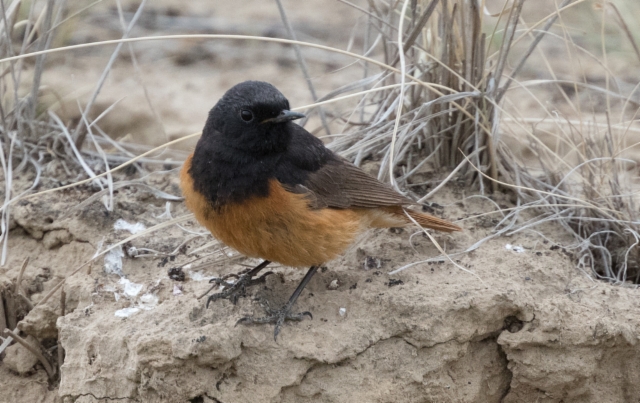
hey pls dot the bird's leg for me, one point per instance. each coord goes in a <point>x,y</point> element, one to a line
<point>234,290</point>
<point>279,316</point>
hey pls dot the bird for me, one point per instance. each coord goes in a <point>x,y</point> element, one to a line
<point>266,187</point>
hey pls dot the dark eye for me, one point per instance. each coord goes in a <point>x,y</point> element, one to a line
<point>246,115</point>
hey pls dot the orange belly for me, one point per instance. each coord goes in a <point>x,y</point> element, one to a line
<point>281,227</point>
<point>284,229</point>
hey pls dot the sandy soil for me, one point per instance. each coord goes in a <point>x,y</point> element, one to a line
<point>524,326</point>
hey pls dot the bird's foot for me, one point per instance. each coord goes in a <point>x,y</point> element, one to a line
<point>233,290</point>
<point>276,316</point>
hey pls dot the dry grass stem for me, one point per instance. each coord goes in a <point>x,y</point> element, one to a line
<point>37,351</point>
<point>63,307</point>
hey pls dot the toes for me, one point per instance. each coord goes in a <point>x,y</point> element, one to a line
<point>260,280</point>
<point>298,317</point>
<point>282,317</point>
<point>245,321</point>
<point>278,318</point>
<point>236,296</point>
<point>276,332</point>
<point>215,297</point>
<point>233,291</point>
<point>211,299</point>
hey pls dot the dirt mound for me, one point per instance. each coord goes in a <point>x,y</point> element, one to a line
<point>528,327</point>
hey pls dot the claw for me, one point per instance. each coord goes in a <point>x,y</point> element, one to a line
<point>238,288</point>
<point>221,280</point>
<point>283,314</point>
<point>277,317</point>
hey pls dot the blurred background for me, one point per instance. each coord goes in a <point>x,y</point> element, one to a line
<point>167,90</point>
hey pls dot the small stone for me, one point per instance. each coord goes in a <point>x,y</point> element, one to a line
<point>372,262</point>
<point>56,238</point>
<point>176,273</point>
<point>40,322</point>
<point>333,285</point>
<point>19,359</point>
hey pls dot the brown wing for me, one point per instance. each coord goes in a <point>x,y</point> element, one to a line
<point>341,184</point>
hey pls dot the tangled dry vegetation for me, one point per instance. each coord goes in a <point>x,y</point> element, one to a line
<point>449,99</point>
<point>452,109</point>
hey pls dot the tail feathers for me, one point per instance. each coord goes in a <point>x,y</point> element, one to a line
<point>429,221</point>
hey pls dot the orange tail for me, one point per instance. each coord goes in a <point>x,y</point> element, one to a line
<point>396,216</point>
<point>429,221</point>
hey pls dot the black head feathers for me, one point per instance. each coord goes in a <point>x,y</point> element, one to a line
<point>249,139</point>
<point>252,116</point>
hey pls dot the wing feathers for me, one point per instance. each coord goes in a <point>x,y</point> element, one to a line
<point>341,184</point>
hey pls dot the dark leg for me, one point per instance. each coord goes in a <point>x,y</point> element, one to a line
<point>280,315</point>
<point>233,291</point>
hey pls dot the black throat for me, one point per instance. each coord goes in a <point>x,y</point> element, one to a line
<point>225,173</point>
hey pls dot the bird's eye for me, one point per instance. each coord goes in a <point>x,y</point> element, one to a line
<point>246,115</point>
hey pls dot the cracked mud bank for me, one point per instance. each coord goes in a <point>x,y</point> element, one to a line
<point>527,327</point>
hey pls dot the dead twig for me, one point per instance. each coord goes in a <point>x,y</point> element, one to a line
<point>37,75</point>
<point>63,305</point>
<point>19,279</point>
<point>10,302</point>
<point>529,51</point>
<point>411,39</point>
<point>3,315</point>
<point>303,65</point>
<point>35,351</point>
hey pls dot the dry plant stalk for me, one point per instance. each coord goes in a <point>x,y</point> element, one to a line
<point>586,182</point>
<point>455,115</point>
<point>458,118</point>
<point>63,309</point>
<point>37,351</point>
<point>24,136</point>
<point>593,199</point>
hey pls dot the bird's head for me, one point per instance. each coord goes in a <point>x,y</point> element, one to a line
<point>254,117</point>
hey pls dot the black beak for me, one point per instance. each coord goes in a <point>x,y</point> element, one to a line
<point>285,116</point>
